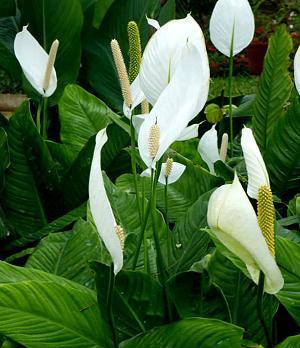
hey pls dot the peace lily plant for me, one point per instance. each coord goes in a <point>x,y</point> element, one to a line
<point>38,68</point>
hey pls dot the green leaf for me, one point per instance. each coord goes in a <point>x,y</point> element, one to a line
<point>67,254</point>
<point>4,156</point>
<point>54,226</point>
<point>288,259</point>
<point>81,115</point>
<point>99,64</point>
<point>274,88</point>
<point>188,243</point>
<point>282,155</point>
<point>61,20</point>
<point>192,333</point>
<point>21,199</point>
<point>48,314</point>
<point>290,342</point>
<point>241,295</point>
<point>101,8</point>
<point>138,302</point>
<point>194,295</point>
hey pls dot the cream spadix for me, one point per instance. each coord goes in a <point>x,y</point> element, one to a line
<point>174,78</point>
<point>256,168</point>
<point>231,19</point>
<point>100,207</point>
<point>297,69</point>
<point>233,221</point>
<point>37,65</point>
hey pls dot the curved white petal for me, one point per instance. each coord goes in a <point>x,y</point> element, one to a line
<point>233,221</point>
<point>179,102</point>
<point>176,172</point>
<point>256,168</point>
<point>208,148</point>
<point>146,173</point>
<point>297,69</point>
<point>163,52</point>
<point>189,132</point>
<point>229,15</point>
<point>137,96</point>
<point>153,22</point>
<point>100,206</point>
<point>33,60</point>
<point>137,121</point>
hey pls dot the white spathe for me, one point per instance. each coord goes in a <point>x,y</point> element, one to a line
<point>256,168</point>
<point>231,19</point>
<point>33,60</point>
<point>297,69</point>
<point>208,148</point>
<point>174,78</point>
<point>233,221</point>
<point>175,174</point>
<point>100,207</point>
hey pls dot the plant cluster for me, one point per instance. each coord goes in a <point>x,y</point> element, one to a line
<point>148,215</point>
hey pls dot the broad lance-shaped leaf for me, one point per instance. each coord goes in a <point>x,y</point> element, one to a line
<point>256,168</point>
<point>231,19</point>
<point>297,69</point>
<point>233,221</point>
<point>35,63</point>
<point>282,154</point>
<point>100,206</point>
<point>274,88</point>
<point>175,80</point>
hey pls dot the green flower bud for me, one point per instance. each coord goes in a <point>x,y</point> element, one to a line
<point>135,51</point>
<point>213,113</point>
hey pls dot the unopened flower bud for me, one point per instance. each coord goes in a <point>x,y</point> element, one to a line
<point>213,113</point>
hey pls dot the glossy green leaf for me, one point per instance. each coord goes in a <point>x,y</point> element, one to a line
<point>274,87</point>
<point>288,258</point>
<point>282,155</point>
<point>61,20</point>
<point>290,342</point>
<point>81,115</point>
<point>7,8</point>
<point>4,156</point>
<point>21,199</point>
<point>192,333</point>
<point>188,243</point>
<point>67,254</point>
<point>138,303</point>
<point>241,295</point>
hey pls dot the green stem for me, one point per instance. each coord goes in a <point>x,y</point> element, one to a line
<point>230,92</point>
<point>110,314</point>
<point>259,307</point>
<point>38,116</point>
<point>159,257</point>
<point>45,118</point>
<point>167,220</point>
<point>133,166</point>
<point>141,236</point>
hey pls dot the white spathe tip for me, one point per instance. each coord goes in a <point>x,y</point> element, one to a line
<point>100,207</point>
<point>233,221</point>
<point>256,168</point>
<point>297,69</point>
<point>208,148</point>
<point>175,174</point>
<point>231,19</point>
<point>34,60</point>
<point>153,23</point>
